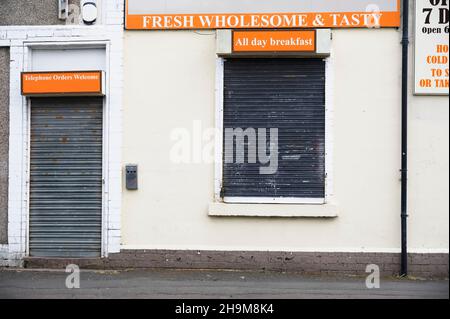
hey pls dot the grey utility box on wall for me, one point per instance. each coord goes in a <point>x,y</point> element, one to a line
<point>131,177</point>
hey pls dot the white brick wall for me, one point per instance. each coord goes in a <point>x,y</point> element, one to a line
<point>18,38</point>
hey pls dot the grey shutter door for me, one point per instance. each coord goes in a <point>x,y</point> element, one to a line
<point>66,177</point>
<point>288,94</point>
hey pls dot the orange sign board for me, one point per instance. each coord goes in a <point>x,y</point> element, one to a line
<point>260,14</point>
<point>263,21</point>
<point>62,83</point>
<point>274,41</point>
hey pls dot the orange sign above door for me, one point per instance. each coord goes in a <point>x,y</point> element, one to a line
<point>62,83</point>
<point>260,14</point>
<point>274,41</point>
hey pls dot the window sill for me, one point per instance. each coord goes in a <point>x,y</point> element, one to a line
<point>273,210</point>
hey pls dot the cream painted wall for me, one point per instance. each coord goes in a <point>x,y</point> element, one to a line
<point>428,172</point>
<point>169,84</point>
<point>428,165</point>
<point>428,169</point>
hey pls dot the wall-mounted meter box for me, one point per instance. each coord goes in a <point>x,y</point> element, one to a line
<point>131,176</point>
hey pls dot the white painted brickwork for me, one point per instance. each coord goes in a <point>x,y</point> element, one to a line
<point>19,38</point>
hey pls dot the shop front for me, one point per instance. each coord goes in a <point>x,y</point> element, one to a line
<point>268,135</point>
<point>309,136</point>
<point>63,71</point>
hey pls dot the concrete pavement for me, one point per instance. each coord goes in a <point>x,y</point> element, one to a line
<point>200,284</point>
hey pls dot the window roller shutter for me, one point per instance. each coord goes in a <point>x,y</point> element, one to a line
<point>66,177</point>
<point>288,94</point>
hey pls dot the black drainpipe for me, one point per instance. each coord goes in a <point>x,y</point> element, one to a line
<point>404,169</point>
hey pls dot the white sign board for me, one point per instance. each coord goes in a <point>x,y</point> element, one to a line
<point>431,47</point>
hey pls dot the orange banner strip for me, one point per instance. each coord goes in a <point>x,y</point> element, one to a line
<point>79,82</point>
<point>263,21</point>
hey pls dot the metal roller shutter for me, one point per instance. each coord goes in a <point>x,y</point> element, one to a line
<point>288,94</point>
<point>66,177</point>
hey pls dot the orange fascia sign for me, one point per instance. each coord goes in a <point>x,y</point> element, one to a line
<point>274,41</point>
<point>72,83</point>
<point>260,14</point>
